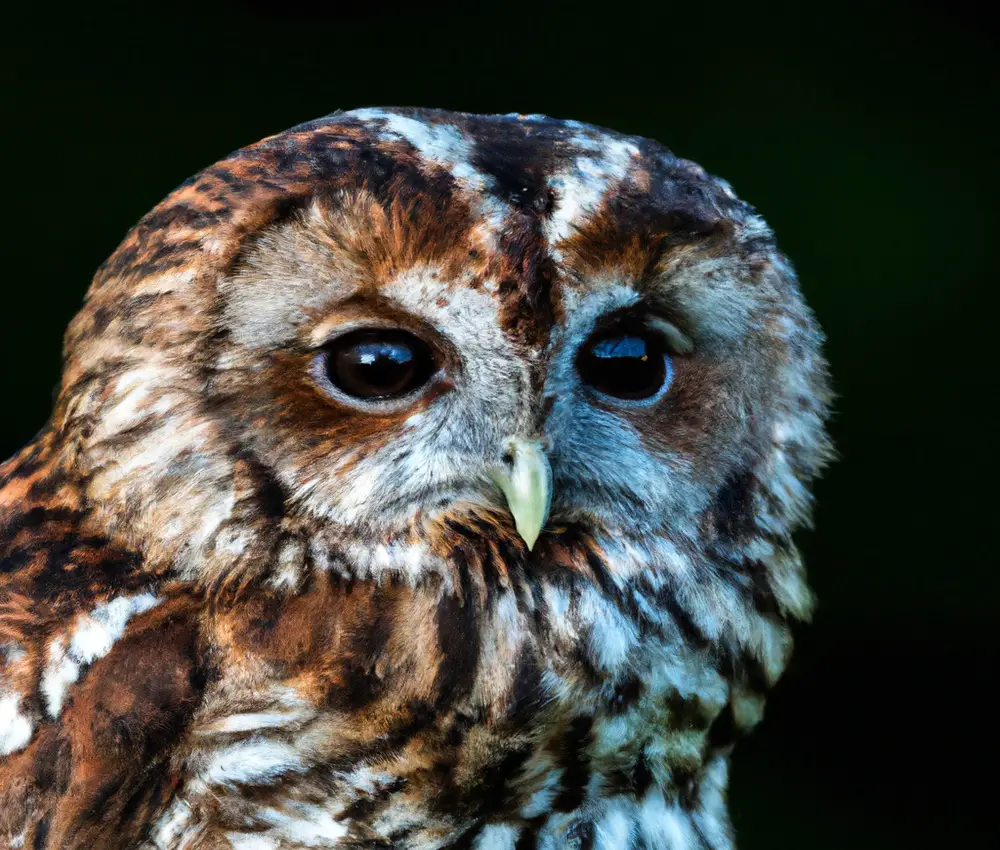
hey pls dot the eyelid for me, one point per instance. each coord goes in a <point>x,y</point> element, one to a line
<point>678,341</point>
<point>336,327</point>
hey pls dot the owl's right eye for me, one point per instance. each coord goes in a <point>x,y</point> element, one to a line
<point>378,364</point>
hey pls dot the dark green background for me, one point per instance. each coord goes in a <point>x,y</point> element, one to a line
<point>863,132</point>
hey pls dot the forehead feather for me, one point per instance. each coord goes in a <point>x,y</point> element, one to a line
<point>535,197</point>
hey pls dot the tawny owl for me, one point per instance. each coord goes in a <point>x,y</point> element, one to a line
<point>417,480</point>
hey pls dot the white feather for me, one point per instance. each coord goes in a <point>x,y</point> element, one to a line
<point>16,728</point>
<point>252,763</point>
<point>497,836</point>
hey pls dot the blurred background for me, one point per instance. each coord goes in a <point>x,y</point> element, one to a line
<point>864,132</point>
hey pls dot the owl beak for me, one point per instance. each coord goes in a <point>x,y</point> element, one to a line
<point>526,481</point>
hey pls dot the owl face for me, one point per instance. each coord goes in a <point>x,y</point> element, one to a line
<point>420,322</point>
<point>383,396</point>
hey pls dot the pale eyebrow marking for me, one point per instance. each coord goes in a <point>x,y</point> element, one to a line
<point>446,146</point>
<point>581,187</point>
<point>679,341</point>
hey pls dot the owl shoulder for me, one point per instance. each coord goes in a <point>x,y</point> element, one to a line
<point>99,668</point>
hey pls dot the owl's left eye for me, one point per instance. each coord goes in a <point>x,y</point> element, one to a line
<point>627,364</point>
<point>378,364</point>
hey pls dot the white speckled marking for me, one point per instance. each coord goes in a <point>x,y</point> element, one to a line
<point>15,728</point>
<point>93,636</point>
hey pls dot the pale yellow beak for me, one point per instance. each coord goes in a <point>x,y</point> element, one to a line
<point>527,483</point>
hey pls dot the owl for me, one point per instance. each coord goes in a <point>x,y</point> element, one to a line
<point>417,480</point>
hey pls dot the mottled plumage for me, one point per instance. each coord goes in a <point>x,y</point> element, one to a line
<point>239,611</point>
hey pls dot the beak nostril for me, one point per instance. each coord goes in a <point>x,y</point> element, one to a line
<point>548,402</point>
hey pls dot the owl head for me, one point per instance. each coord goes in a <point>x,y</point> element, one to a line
<point>387,338</point>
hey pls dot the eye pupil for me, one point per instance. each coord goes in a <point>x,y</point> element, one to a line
<point>625,365</point>
<point>377,364</point>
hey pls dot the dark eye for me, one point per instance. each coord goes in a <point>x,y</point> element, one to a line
<point>378,364</point>
<point>629,365</point>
